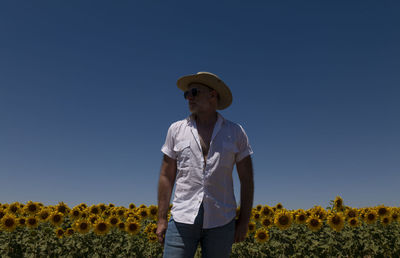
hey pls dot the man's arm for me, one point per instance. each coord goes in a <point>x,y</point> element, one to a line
<point>245,173</point>
<point>165,186</point>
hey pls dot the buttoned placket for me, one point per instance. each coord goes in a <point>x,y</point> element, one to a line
<point>195,134</point>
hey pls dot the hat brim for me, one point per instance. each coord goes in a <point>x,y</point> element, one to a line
<point>225,94</point>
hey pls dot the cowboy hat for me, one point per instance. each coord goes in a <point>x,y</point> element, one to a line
<point>210,80</point>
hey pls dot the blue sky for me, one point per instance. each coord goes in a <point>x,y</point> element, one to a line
<point>88,91</point>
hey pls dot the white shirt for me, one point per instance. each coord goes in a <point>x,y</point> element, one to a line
<point>210,183</point>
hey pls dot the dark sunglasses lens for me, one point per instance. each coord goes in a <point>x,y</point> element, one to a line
<point>192,91</point>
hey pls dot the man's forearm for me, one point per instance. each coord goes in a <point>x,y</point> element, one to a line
<point>246,200</point>
<point>164,195</point>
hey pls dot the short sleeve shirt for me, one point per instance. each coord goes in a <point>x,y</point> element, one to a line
<point>210,182</point>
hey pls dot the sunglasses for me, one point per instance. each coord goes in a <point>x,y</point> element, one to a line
<point>194,92</point>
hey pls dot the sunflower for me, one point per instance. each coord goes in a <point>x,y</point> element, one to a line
<point>110,205</point>
<point>267,211</point>
<point>351,213</point>
<point>395,216</point>
<point>170,207</point>
<point>93,218</point>
<point>69,231</point>
<point>255,215</point>
<point>261,236</point>
<point>121,226</point>
<point>338,203</point>
<point>319,211</point>
<point>267,222</point>
<point>14,208</point>
<point>44,215</point>
<point>142,206</point>
<point>63,208</point>
<point>2,213</point>
<point>121,212</point>
<point>94,210</point>
<point>153,210</point>
<point>75,213</point>
<point>279,206</point>
<point>32,222</point>
<point>82,206</point>
<point>152,238</point>
<point>283,219</point>
<point>151,228</point>
<point>386,220</point>
<point>21,221</point>
<point>84,214</point>
<point>56,218</point>
<point>9,222</point>
<point>314,223</point>
<point>82,226</point>
<point>336,221</point>
<point>259,207</point>
<point>31,208</point>
<point>371,217</point>
<point>102,206</point>
<point>251,227</point>
<point>382,210</point>
<point>132,206</point>
<point>59,232</point>
<point>132,227</point>
<point>101,227</point>
<point>301,217</point>
<point>353,222</point>
<point>113,220</point>
<point>143,213</point>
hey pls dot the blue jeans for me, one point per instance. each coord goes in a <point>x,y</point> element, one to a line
<point>181,240</point>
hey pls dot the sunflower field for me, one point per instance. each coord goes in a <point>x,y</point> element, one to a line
<point>35,230</point>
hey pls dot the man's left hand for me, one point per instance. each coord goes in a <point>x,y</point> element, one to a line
<point>240,231</point>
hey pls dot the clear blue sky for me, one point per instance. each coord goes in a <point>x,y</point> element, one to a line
<point>88,91</point>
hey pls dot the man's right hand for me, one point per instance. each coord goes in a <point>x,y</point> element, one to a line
<point>161,229</point>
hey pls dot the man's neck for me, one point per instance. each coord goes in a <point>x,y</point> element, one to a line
<point>206,119</point>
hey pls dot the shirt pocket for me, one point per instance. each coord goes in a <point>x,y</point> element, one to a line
<point>227,158</point>
<point>183,154</point>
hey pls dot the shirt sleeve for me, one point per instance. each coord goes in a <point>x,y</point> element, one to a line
<point>243,145</point>
<point>168,147</point>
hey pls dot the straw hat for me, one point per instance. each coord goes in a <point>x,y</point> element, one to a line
<point>212,81</point>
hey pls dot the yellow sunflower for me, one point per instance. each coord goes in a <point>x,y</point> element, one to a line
<point>267,211</point>
<point>353,222</point>
<point>69,231</point>
<point>121,226</point>
<point>382,210</point>
<point>132,206</point>
<point>371,217</point>
<point>314,223</point>
<point>32,222</point>
<point>301,217</point>
<point>56,218</point>
<point>336,221</point>
<point>82,226</point>
<point>31,208</point>
<point>255,215</point>
<point>338,203</point>
<point>59,232</point>
<point>283,219</point>
<point>351,213</point>
<point>44,215</point>
<point>259,207</point>
<point>261,236</point>
<point>9,222</point>
<point>151,228</point>
<point>94,210</point>
<point>21,222</point>
<point>75,213</point>
<point>267,222</point>
<point>14,208</point>
<point>385,220</point>
<point>251,227</point>
<point>395,216</point>
<point>132,227</point>
<point>153,210</point>
<point>63,208</point>
<point>143,213</point>
<point>101,227</point>
<point>113,220</point>
<point>152,238</point>
<point>279,206</point>
<point>102,206</point>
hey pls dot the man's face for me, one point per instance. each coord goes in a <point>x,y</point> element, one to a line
<point>203,101</point>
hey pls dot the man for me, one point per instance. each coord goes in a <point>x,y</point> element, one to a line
<point>199,154</point>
